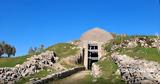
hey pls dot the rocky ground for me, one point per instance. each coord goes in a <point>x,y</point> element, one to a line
<point>136,71</point>
<point>138,42</point>
<point>96,71</point>
<point>132,70</point>
<point>135,66</point>
<point>31,66</point>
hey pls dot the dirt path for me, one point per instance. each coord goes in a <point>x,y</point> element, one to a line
<point>73,79</point>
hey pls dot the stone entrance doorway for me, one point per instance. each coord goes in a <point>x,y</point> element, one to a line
<point>91,42</point>
<point>92,54</point>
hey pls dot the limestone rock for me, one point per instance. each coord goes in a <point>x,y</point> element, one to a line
<point>136,71</point>
<point>31,66</point>
<point>96,72</point>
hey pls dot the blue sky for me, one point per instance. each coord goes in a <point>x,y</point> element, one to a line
<point>26,23</point>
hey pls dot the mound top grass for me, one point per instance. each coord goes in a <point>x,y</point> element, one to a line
<point>150,54</point>
<point>63,49</point>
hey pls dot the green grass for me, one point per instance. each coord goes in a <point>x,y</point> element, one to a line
<point>108,68</point>
<point>11,62</point>
<point>147,36</point>
<point>118,39</point>
<point>63,49</point>
<point>150,54</point>
<point>86,80</point>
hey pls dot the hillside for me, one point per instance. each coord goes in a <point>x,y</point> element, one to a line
<point>105,71</point>
<point>108,70</point>
<point>61,50</point>
<point>136,50</point>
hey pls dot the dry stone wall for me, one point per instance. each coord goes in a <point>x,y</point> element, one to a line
<point>58,75</point>
<point>136,71</point>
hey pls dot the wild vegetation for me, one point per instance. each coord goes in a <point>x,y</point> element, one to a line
<point>108,66</point>
<point>36,50</point>
<point>147,53</point>
<point>63,49</point>
<point>150,54</point>
<point>108,76</point>
<point>109,72</point>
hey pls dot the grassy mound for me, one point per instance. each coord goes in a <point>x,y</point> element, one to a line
<point>150,54</point>
<point>63,49</point>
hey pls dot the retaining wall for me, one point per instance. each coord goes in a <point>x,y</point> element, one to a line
<point>58,75</point>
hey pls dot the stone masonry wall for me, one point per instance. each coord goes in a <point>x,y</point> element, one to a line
<point>58,75</point>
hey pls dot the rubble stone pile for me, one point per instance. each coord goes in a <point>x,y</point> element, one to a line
<point>32,65</point>
<point>136,71</point>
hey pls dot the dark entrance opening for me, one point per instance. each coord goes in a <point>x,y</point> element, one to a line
<point>92,54</point>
